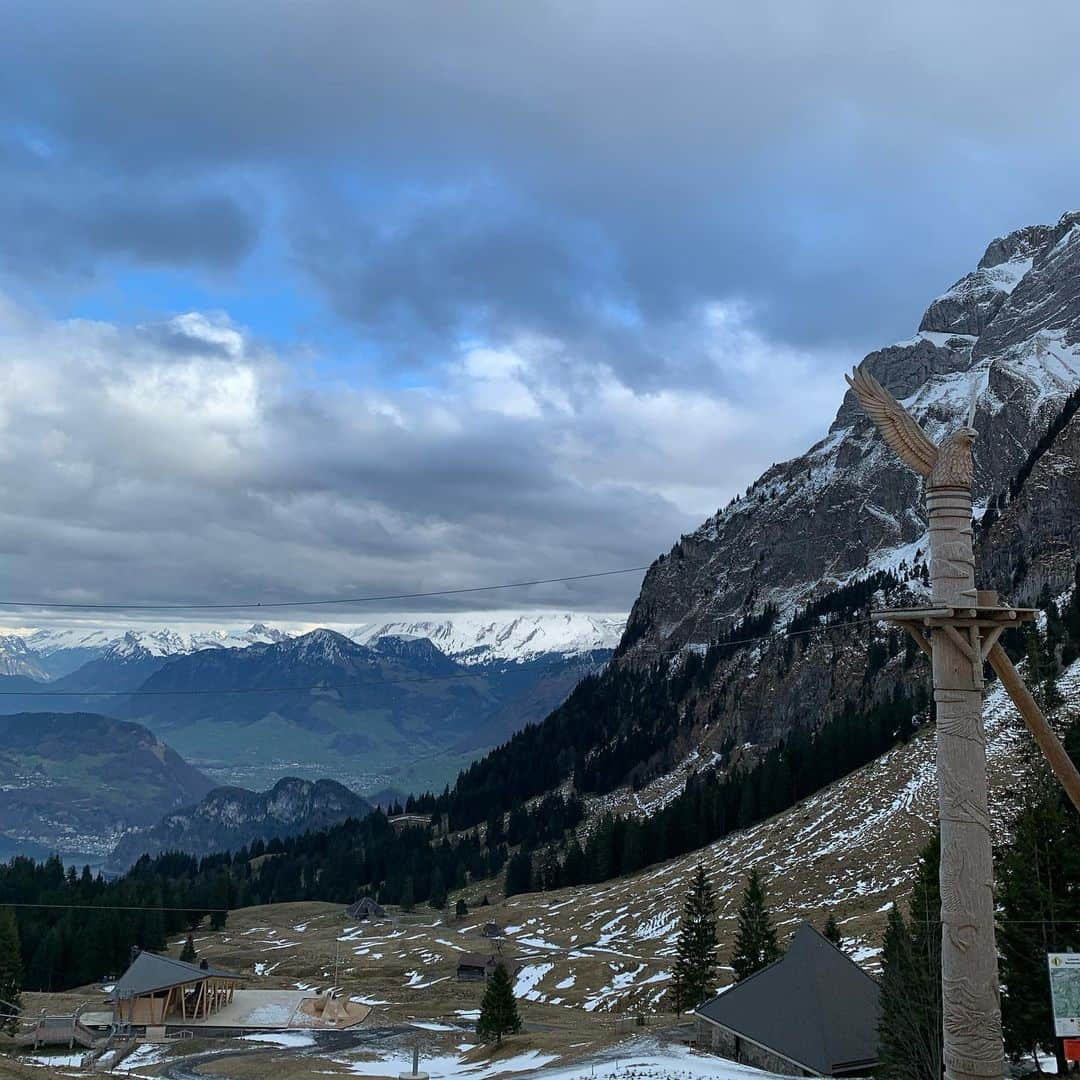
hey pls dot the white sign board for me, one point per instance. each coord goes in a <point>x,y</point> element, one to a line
<point>1065,992</point>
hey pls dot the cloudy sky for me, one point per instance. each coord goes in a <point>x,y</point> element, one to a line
<point>339,297</point>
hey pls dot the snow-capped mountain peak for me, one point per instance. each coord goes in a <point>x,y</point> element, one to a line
<point>469,639</point>
<point>507,636</point>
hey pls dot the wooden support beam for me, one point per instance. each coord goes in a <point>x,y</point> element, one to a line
<point>919,638</point>
<point>989,640</point>
<point>893,614</point>
<point>1037,724</point>
<point>964,646</point>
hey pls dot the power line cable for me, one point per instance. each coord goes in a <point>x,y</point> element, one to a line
<point>211,911</point>
<point>353,683</point>
<point>263,605</point>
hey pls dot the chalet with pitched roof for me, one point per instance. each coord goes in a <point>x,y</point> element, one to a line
<point>814,1012</point>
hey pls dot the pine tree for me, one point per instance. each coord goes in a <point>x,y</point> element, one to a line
<point>832,931</point>
<point>221,898</point>
<point>437,890</point>
<point>910,1026</point>
<point>696,955</point>
<point>498,1010</point>
<point>188,953</point>
<point>1039,894</point>
<point>755,940</point>
<point>408,898</point>
<point>519,874</point>
<point>461,909</point>
<point>10,970</point>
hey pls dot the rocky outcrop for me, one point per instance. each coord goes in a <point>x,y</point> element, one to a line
<point>1034,540</point>
<point>229,818</point>
<point>16,658</point>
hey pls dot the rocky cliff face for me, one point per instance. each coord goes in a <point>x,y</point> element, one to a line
<point>229,818</point>
<point>1008,333</point>
<point>1030,545</point>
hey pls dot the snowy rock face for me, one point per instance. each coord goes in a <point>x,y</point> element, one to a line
<point>16,658</point>
<point>1008,333</point>
<point>480,638</point>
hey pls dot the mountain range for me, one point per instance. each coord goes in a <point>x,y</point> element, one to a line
<point>473,638</point>
<point>381,708</point>
<point>750,634</point>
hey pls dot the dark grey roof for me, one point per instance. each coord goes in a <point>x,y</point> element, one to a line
<point>488,960</point>
<point>365,906</point>
<point>150,972</point>
<point>814,1006</point>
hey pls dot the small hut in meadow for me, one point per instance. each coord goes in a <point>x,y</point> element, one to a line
<point>478,967</point>
<point>365,908</point>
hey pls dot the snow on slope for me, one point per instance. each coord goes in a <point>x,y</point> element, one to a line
<point>1009,332</point>
<point>850,848</point>
<point>484,636</point>
<point>17,658</point>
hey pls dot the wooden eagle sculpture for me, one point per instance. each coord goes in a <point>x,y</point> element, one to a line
<point>946,465</point>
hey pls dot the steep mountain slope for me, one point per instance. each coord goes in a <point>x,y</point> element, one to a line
<point>850,850</point>
<point>76,781</point>
<point>229,818</point>
<point>1008,332</point>
<point>1030,536</point>
<point>754,630</point>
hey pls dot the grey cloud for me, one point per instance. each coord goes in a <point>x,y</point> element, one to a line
<point>183,476</point>
<point>58,220</point>
<point>462,265</point>
<point>837,163</point>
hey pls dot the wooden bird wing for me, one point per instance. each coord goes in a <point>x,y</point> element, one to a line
<point>894,422</point>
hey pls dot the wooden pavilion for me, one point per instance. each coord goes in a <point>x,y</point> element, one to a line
<point>159,990</point>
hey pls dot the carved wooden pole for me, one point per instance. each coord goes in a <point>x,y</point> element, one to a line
<point>958,617</point>
<point>971,1011</point>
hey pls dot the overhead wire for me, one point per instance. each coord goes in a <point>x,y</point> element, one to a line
<point>253,605</point>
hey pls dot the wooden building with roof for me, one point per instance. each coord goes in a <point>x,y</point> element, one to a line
<point>158,990</point>
<point>814,1012</point>
<point>478,967</point>
<point>366,908</point>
